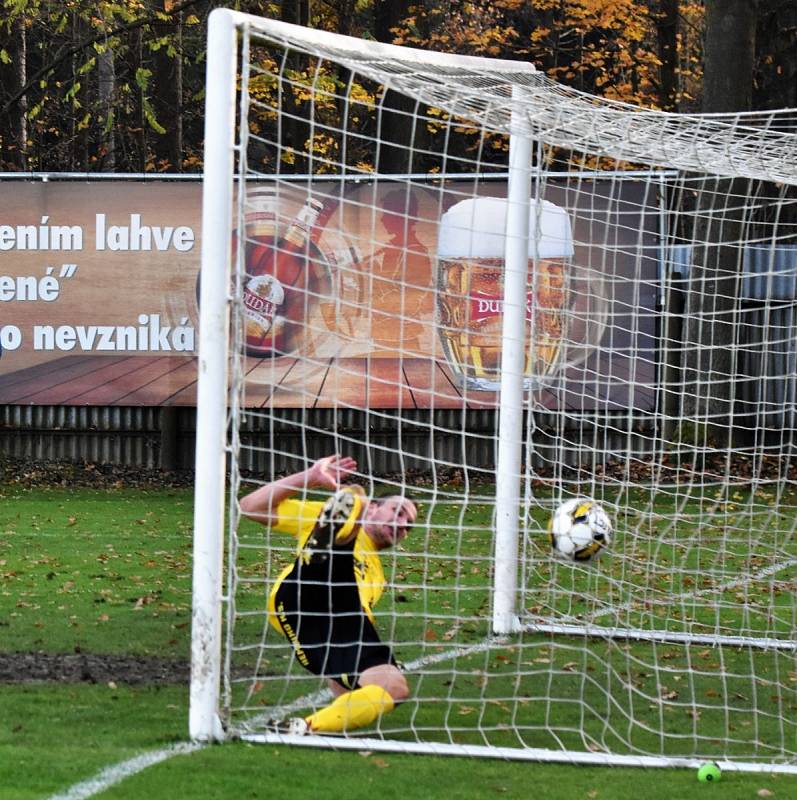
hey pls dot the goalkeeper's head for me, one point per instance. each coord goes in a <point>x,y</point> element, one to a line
<point>387,520</point>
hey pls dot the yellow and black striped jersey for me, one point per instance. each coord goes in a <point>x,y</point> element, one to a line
<point>297,518</point>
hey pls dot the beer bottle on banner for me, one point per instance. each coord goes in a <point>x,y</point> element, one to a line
<point>277,274</point>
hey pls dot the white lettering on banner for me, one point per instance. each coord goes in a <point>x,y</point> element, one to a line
<point>132,236</point>
<point>483,306</point>
<point>10,337</point>
<point>41,237</point>
<point>29,287</point>
<point>137,236</point>
<point>149,336</point>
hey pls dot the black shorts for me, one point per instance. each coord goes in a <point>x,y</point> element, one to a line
<point>319,611</point>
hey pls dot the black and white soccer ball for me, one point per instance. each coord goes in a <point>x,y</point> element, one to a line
<point>579,530</point>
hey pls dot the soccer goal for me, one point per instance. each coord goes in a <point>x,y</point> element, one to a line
<point>498,294</point>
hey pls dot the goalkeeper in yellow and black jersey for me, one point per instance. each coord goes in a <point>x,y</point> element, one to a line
<point>323,602</point>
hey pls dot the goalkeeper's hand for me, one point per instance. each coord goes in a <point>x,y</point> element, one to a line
<point>329,472</point>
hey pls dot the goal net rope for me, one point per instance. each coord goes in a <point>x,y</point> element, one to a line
<point>497,293</point>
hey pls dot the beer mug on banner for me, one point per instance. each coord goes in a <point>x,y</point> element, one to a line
<point>559,298</point>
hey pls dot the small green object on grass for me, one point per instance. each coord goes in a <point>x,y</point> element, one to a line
<point>709,773</point>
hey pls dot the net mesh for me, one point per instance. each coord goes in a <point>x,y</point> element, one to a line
<point>659,378</point>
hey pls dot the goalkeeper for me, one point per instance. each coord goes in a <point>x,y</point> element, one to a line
<point>322,603</point>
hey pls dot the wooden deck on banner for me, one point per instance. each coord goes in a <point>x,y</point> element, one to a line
<point>392,383</point>
<point>376,383</point>
<point>101,380</point>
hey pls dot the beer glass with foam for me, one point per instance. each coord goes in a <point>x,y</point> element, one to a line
<point>470,272</point>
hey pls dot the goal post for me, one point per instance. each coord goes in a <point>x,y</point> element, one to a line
<point>510,421</point>
<point>555,296</point>
<point>212,381</point>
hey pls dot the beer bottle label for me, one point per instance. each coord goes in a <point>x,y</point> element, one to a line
<point>263,297</point>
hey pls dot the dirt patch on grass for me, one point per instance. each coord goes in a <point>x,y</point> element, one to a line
<point>91,668</point>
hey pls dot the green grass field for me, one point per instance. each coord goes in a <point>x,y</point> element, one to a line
<point>108,573</point>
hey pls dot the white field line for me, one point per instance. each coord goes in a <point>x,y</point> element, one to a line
<point>737,583</point>
<point>110,776</point>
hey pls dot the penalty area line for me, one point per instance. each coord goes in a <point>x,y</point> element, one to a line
<point>118,772</point>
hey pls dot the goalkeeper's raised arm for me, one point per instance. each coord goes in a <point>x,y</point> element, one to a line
<point>326,473</point>
<point>323,602</point>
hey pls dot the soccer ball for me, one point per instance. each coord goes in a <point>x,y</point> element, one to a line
<point>579,530</point>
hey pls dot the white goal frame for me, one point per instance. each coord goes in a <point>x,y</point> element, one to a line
<point>217,202</point>
<point>648,133</point>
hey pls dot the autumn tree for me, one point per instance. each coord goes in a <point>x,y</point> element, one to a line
<point>119,84</point>
<point>88,85</point>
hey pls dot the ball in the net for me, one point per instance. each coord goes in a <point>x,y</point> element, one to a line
<point>709,773</point>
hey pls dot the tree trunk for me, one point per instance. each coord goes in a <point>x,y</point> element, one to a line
<point>294,123</point>
<point>13,76</point>
<point>80,133</point>
<point>667,33</point>
<point>397,117</point>
<point>106,87</point>
<point>167,96</point>
<point>729,55</point>
<point>345,19</point>
<point>140,156</point>
<point>712,304</point>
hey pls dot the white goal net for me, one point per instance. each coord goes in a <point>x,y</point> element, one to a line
<point>495,294</point>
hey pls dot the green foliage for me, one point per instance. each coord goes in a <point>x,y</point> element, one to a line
<point>72,91</point>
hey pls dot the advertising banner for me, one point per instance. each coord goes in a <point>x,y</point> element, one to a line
<point>398,305</point>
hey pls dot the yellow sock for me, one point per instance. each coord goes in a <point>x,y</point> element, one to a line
<point>352,710</point>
